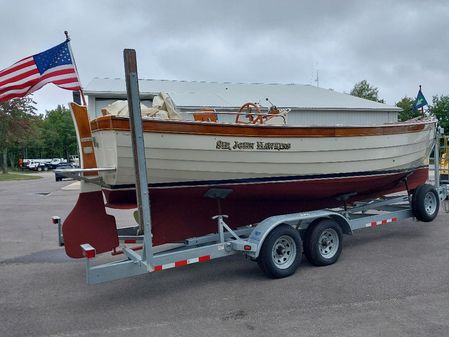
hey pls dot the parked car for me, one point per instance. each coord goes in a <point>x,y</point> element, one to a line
<point>55,162</point>
<point>74,158</point>
<point>63,166</point>
<point>37,166</point>
<point>30,164</point>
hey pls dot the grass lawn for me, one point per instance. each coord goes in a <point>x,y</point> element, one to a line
<point>15,176</point>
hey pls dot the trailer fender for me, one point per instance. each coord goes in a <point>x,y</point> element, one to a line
<point>300,221</point>
<point>343,222</point>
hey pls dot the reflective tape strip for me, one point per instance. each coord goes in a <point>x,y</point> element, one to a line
<point>381,222</point>
<point>204,258</point>
<point>182,263</point>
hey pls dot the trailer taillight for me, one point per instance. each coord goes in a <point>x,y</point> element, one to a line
<point>247,247</point>
<point>88,251</point>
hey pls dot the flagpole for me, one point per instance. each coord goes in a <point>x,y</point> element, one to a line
<point>74,64</point>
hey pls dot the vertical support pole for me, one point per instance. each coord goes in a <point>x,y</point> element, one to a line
<point>220,228</point>
<point>87,270</point>
<point>57,221</point>
<point>138,146</point>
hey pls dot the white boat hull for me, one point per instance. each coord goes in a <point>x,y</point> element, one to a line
<point>178,158</point>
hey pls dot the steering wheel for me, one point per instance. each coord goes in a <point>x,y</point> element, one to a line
<point>247,110</point>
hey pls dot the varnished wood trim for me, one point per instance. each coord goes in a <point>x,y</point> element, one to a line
<point>218,129</point>
<point>85,142</point>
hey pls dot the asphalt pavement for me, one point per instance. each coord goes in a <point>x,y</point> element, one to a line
<point>389,281</point>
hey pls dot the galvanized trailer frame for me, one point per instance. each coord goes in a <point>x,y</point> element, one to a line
<point>248,240</point>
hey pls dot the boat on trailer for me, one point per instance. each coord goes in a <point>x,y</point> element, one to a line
<point>254,187</point>
<point>251,168</point>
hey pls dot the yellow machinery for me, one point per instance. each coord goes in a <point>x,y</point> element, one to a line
<point>444,163</point>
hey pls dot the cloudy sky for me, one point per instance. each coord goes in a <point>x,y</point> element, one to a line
<point>394,45</point>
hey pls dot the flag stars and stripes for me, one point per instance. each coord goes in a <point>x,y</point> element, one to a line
<point>53,57</point>
<point>54,65</point>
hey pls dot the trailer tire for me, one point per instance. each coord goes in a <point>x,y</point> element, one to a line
<point>425,203</point>
<point>323,242</point>
<point>281,252</point>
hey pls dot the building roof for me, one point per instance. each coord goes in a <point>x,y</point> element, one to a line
<point>226,94</point>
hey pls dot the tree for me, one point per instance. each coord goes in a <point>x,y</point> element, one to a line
<point>440,108</point>
<point>406,104</point>
<point>16,117</point>
<point>363,89</point>
<point>58,133</point>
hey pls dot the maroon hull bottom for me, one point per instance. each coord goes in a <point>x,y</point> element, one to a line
<point>89,223</point>
<point>183,212</point>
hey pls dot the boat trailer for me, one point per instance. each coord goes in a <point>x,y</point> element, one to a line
<point>277,243</point>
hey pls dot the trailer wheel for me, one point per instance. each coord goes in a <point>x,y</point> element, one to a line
<point>281,252</point>
<point>425,203</point>
<point>323,243</point>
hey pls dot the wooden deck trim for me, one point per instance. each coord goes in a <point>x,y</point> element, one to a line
<point>217,129</point>
<point>84,134</point>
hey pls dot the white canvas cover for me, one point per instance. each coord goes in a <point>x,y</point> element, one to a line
<point>163,108</point>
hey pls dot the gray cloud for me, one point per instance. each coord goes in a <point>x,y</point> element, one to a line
<point>395,45</point>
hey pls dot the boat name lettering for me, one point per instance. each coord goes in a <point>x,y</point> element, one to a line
<point>222,145</point>
<point>243,146</point>
<point>273,146</point>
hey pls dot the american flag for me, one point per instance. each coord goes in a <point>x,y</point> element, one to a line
<point>54,65</point>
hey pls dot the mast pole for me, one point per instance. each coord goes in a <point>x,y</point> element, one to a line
<point>67,38</point>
